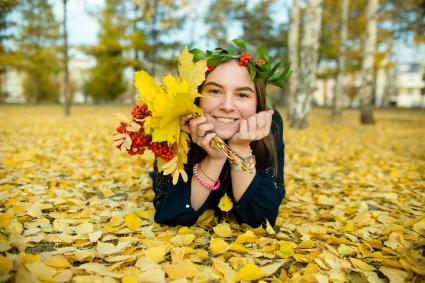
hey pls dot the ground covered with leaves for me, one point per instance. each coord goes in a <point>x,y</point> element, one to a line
<point>73,208</point>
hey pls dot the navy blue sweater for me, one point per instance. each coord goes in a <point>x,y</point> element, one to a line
<point>260,201</point>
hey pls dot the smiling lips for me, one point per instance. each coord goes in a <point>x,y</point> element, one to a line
<point>225,120</point>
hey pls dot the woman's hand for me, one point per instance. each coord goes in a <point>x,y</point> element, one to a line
<point>202,133</point>
<point>254,128</point>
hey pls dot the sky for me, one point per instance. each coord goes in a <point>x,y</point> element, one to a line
<point>83,28</point>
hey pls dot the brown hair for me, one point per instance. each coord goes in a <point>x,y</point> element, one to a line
<point>264,149</point>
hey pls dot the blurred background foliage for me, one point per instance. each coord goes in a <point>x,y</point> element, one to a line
<point>135,34</point>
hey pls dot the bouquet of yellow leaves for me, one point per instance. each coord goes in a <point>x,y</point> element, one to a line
<point>156,117</point>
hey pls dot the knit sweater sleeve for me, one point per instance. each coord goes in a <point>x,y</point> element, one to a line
<point>172,202</point>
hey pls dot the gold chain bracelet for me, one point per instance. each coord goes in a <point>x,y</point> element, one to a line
<point>218,144</point>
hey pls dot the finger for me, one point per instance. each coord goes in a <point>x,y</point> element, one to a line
<point>243,129</point>
<point>184,123</point>
<point>267,127</point>
<point>206,141</point>
<point>252,124</point>
<point>205,128</point>
<point>261,120</point>
<point>194,124</point>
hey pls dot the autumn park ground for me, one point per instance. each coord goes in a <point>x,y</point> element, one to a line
<point>74,209</point>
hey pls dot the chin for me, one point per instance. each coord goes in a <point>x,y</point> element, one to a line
<point>225,134</point>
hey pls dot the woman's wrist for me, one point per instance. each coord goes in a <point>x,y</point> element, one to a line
<point>214,161</point>
<point>241,149</point>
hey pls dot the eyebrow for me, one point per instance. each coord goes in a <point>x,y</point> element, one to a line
<point>239,88</point>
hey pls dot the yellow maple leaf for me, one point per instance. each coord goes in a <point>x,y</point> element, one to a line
<point>239,248</point>
<point>218,246</point>
<point>307,244</point>
<point>193,73</point>
<point>361,264</point>
<point>225,203</point>
<point>6,265</point>
<point>157,254</point>
<point>168,104</point>
<point>345,250</point>
<point>205,218</point>
<point>58,261</point>
<point>181,269</point>
<point>247,237</point>
<point>133,221</point>
<point>286,250</point>
<point>249,272</point>
<point>5,219</point>
<point>130,279</point>
<point>223,230</point>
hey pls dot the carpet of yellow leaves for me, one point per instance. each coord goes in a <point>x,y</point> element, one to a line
<point>72,208</point>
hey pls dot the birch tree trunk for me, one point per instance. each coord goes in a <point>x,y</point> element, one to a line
<point>307,73</point>
<point>366,89</point>
<point>67,93</point>
<point>293,57</point>
<point>340,77</point>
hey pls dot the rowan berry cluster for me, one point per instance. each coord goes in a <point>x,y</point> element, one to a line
<point>260,62</point>
<point>162,150</point>
<point>140,112</point>
<point>139,140</point>
<point>245,57</point>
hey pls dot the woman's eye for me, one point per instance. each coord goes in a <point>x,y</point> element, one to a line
<point>241,94</point>
<point>214,91</point>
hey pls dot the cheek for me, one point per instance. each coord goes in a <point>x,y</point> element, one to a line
<point>247,111</point>
<point>207,104</point>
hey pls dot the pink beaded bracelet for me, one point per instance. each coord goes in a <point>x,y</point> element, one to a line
<point>203,181</point>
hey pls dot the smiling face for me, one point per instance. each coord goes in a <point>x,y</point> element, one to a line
<point>229,96</point>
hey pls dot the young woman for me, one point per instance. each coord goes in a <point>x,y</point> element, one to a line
<point>234,109</point>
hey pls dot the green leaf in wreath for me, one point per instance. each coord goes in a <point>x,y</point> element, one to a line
<point>214,60</point>
<point>239,42</point>
<point>251,69</point>
<point>233,52</point>
<point>262,53</point>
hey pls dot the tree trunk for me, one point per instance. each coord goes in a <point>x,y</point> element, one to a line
<point>66,91</point>
<point>154,36</point>
<point>340,77</point>
<point>136,56</point>
<point>366,111</point>
<point>309,55</point>
<point>293,57</point>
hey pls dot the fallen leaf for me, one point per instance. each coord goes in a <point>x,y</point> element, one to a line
<point>247,237</point>
<point>223,230</point>
<point>225,203</point>
<point>218,246</point>
<point>58,261</point>
<point>133,221</point>
<point>249,272</point>
<point>157,254</point>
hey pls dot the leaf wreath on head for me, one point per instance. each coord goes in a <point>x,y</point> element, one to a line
<point>261,68</point>
<point>155,123</point>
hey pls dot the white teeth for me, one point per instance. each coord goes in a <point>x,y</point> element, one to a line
<point>226,120</point>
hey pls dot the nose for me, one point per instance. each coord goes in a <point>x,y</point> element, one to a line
<point>227,103</point>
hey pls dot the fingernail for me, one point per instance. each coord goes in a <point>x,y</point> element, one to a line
<point>189,116</point>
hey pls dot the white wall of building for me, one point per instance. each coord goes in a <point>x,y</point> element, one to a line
<point>13,86</point>
<point>409,86</point>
